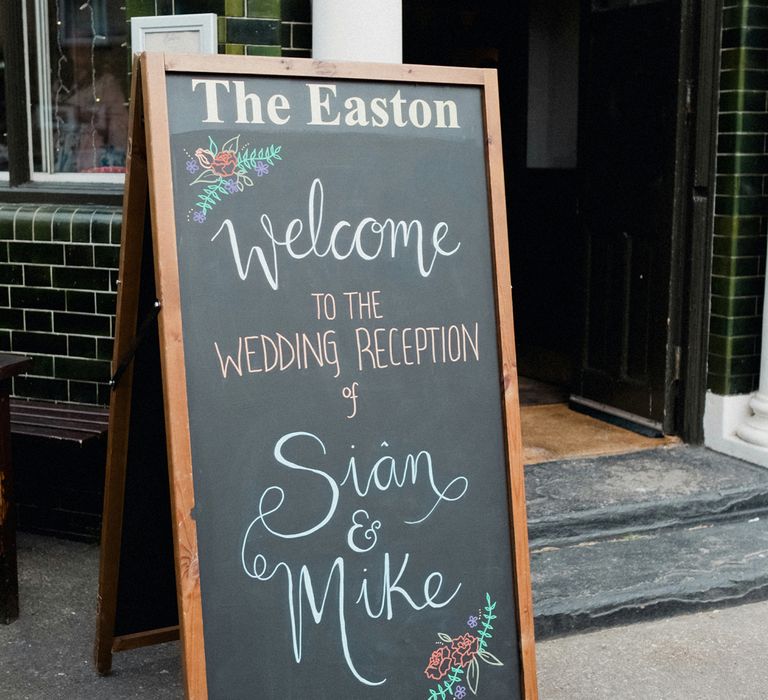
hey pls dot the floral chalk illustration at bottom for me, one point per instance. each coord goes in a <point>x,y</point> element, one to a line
<point>455,662</point>
<point>226,170</point>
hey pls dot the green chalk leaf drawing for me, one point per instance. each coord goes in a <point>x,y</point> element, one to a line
<point>225,170</point>
<point>455,663</point>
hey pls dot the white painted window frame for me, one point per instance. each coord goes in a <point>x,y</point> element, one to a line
<point>42,50</point>
<point>204,25</point>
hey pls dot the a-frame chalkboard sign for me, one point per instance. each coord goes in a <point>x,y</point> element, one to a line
<point>315,318</point>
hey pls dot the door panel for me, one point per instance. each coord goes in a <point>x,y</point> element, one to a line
<point>627,161</point>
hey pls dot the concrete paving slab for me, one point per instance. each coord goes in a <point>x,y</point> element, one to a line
<point>714,655</point>
<point>47,653</point>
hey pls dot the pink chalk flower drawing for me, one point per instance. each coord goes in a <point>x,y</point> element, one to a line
<point>226,170</point>
<point>455,663</point>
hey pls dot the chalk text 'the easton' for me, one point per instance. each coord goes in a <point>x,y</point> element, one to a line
<point>326,108</point>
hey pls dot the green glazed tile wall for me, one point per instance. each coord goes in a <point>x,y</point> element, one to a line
<point>245,27</point>
<point>296,29</point>
<point>58,277</point>
<point>741,200</point>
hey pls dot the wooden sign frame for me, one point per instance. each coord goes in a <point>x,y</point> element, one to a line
<point>149,173</point>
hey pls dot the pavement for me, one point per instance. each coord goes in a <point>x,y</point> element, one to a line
<point>719,654</point>
<point>47,653</point>
<point>673,540</point>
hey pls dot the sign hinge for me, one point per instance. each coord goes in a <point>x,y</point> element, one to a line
<point>137,340</point>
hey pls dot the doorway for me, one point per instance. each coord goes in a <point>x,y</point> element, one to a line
<point>592,108</point>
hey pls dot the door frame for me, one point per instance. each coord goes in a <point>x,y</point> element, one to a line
<point>691,235</point>
<point>701,224</point>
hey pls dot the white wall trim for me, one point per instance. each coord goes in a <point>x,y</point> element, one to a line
<point>722,415</point>
<point>357,30</point>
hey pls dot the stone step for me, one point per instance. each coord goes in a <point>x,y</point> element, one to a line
<point>680,486</point>
<point>636,577</point>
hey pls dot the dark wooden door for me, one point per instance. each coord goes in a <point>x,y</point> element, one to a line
<point>628,171</point>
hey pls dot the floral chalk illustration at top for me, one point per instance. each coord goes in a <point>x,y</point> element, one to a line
<point>226,170</point>
<point>455,662</point>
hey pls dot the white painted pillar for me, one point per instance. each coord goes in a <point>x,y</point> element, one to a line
<point>357,30</point>
<point>754,429</point>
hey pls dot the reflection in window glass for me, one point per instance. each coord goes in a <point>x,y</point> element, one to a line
<point>78,82</point>
<point>3,110</point>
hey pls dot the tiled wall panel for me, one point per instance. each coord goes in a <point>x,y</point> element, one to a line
<point>245,27</point>
<point>58,277</point>
<point>296,32</point>
<point>741,201</point>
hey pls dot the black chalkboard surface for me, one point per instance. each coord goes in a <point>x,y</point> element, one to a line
<point>339,383</point>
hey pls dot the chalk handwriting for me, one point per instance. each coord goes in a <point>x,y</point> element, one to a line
<point>382,593</point>
<point>277,352</point>
<point>379,348</point>
<point>387,473</point>
<point>368,239</point>
<point>350,393</point>
<point>301,594</point>
<point>369,531</point>
<point>384,474</point>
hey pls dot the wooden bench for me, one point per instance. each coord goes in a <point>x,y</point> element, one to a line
<point>80,427</point>
<point>59,453</point>
<point>60,421</point>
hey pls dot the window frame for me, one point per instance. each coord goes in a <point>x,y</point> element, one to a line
<point>20,184</point>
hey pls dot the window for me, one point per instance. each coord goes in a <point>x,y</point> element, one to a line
<point>3,106</point>
<point>73,66</point>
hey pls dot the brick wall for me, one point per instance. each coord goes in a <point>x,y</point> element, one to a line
<point>741,203</point>
<point>57,297</point>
